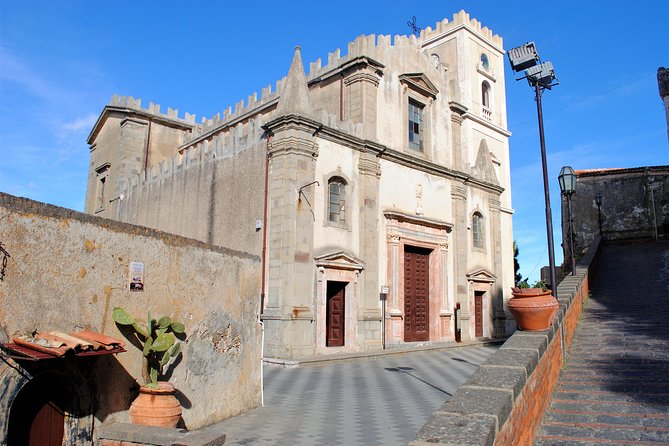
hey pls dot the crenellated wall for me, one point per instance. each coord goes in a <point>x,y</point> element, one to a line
<point>344,118</point>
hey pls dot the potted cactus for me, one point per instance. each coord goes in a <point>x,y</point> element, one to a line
<point>156,404</point>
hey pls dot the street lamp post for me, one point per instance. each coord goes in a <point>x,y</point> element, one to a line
<point>540,76</point>
<point>567,180</point>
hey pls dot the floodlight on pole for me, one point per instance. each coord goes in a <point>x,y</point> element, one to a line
<point>523,57</point>
<point>540,76</point>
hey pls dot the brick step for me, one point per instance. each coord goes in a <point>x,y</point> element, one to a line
<point>615,386</point>
<point>622,420</point>
<point>609,406</point>
<point>657,398</point>
<point>587,432</point>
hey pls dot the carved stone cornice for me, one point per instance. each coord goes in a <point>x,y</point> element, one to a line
<point>457,108</point>
<point>362,62</point>
<point>362,76</point>
<point>369,167</point>
<point>418,220</point>
<point>459,192</point>
<point>339,260</point>
<point>394,236</point>
<point>293,145</point>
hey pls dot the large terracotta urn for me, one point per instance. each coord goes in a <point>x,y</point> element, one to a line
<point>533,308</point>
<point>156,406</point>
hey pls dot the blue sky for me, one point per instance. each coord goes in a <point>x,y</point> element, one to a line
<point>61,61</point>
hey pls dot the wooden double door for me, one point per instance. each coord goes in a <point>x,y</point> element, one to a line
<point>416,294</point>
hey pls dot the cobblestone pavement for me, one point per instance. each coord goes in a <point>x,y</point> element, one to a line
<point>383,401</point>
<point>614,389</point>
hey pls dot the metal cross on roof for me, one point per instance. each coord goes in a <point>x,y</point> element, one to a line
<point>412,25</point>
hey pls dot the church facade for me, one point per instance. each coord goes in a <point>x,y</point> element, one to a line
<point>375,188</point>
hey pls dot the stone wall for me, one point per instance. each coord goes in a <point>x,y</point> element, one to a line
<point>66,271</point>
<point>503,403</point>
<point>635,204</point>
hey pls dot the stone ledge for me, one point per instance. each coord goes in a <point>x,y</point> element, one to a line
<point>472,401</point>
<point>526,360</point>
<point>510,379</point>
<point>160,436</point>
<point>530,341</point>
<point>456,429</point>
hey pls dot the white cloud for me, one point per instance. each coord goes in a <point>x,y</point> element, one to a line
<point>16,71</point>
<point>84,123</point>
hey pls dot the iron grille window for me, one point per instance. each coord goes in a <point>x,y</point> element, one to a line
<point>415,126</point>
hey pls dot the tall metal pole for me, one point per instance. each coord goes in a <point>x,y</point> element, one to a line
<point>571,236</point>
<point>549,217</point>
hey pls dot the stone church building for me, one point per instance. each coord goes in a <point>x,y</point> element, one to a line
<point>375,188</point>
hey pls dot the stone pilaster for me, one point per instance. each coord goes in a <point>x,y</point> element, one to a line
<point>459,197</point>
<point>360,98</point>
<point>290,298</point>
<point>457,110</point>
<point>369,313</point>
<point>499,318</point>
<point>132,152</point>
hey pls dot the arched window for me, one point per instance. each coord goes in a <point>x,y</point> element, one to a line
<point>477,230</point>
<point>485,94</point>
<point>337,200</point>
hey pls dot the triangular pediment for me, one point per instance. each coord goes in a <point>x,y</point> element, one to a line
<point>339,260</point>
<point>420,83</point>
<point>481,275</point>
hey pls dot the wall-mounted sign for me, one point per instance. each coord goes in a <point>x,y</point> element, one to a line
<point>136,276</point>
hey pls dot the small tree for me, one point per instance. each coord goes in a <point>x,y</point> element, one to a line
<point>517,277</point>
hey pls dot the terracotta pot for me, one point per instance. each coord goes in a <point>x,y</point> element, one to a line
<point>156,407</point>
<point>533,308</point>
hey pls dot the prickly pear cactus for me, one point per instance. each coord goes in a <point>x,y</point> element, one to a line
<point>160,345</point>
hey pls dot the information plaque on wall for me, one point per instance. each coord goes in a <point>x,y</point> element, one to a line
<point>136,276</point>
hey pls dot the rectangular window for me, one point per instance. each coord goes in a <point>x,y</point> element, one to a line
<point>101,174</point>
<point>415,126</point>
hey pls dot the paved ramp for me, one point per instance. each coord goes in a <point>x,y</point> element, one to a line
<point>382,401</point>
<point>614,389</point>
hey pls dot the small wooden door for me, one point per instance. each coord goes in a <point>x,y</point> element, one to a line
<point>478,314</point>
<point>335,318</point>
<point>416,294</point>
<point>48,427</point>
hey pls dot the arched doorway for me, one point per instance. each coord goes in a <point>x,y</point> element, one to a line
<point>37,415</point>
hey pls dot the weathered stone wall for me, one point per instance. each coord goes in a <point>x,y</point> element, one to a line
<point>503,403</point>
<point>68,270</point>
<point>635,204</point>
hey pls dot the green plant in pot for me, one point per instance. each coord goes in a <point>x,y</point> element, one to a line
<point>160,347</point>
